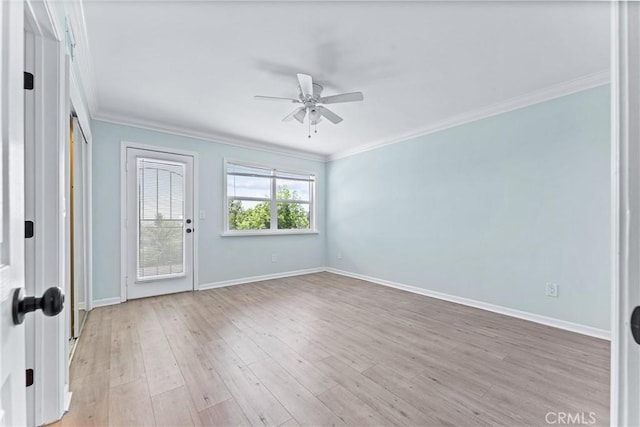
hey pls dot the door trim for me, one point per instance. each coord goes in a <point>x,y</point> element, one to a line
<point>124,145</point>
<point>83,123</point>
<point>625,242</point>
<point>616,72</point>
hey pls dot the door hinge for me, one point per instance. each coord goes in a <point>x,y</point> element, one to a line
<point>29,377</point>
<point>28,81</point>
<point>28,229</point>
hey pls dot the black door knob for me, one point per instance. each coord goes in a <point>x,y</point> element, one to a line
<point>635,324</point>
<point>51,303</point>
<point>188,230</point>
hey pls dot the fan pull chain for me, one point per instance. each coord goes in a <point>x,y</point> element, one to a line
<point>309,136</point>
<point>315,125</point>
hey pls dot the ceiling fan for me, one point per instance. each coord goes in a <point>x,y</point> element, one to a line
<point>310,96</point>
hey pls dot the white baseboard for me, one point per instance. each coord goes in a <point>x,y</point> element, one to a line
<point>532,317</point>
<point>112,301</point>
<point>67,398</point>
<point>106,301</point>
<point>252,279</point>
<point>537,318</point>
<point>82,306</point>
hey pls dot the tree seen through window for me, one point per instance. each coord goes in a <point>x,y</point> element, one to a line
<point>291,213</point>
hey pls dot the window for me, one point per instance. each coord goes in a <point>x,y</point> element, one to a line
<point>160,218</point>
<point>267,200</point>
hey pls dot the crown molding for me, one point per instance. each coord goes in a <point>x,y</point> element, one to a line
<point>209,137</point>
<point>569,87</point>
<point>86,80</point>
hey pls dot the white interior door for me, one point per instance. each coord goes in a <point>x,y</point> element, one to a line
<point>159,223</point>
<point>12,345</point>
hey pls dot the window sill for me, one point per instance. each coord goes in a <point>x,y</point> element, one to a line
<point>267,233</point>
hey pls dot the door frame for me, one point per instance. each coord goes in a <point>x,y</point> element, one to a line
<point>81,163</point>
<point>124,145</point>
<point>625,210</point>
<point>81,116</point>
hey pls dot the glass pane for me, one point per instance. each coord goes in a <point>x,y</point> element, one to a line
<point>249,215</point>
<point>160,218</point>
<point>293,190</point>
<point>248,186</point>
<point>293,216</point>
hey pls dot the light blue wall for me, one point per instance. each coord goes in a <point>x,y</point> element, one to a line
<point>490,210</point>
<point>220,258</point>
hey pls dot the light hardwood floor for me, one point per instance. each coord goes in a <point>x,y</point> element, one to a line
<point>327,350</point>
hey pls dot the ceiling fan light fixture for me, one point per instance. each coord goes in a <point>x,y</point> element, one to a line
<point>310,95</point>
<point>314,115</point>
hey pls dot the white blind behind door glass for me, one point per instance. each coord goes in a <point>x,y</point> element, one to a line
<point>161,191</point>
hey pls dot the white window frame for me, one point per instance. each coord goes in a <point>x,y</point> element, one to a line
<point>273,202</point>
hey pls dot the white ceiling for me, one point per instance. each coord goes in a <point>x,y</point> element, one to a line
<point>193,66</point>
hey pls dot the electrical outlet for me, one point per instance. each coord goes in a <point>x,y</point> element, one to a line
<point>203,214</point>
<point>274,257</point>
<point>552,290</point>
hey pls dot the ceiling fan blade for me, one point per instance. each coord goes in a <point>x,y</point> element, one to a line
<point>306,84</point>
<point>343,97</point>
<point>275,98</point>
<point>300,114</point>
<point>295,114</point>
<point>330,115</point>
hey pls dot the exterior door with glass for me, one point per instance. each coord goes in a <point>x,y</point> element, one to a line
<point>159,223</point>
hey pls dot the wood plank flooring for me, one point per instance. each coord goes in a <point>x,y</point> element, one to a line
<point>327,350</point>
